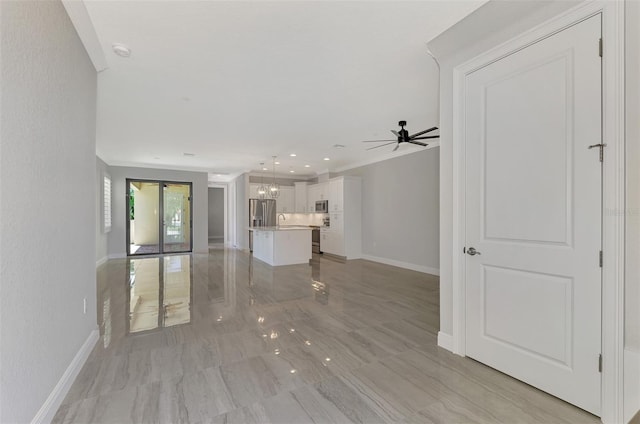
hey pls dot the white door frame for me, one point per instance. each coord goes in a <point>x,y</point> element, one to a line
<point>613,186</point>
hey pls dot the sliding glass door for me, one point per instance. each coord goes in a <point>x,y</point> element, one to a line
<point>177,217</point>
<point>159,217</point>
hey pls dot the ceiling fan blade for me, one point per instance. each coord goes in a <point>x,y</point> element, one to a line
<point>396,148</point>
<point>375,141</point>
<point>395,133</point>
<point>423,132</point>
<point>418,143</point>
<point>425,138</point>
<point>382,145</point>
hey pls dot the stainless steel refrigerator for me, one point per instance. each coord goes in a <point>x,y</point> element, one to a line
<point>262,213</point>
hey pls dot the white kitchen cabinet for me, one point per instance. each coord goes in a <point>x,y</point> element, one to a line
<point>323,191</point>
<point>336,194</point>
<point>313,195</point>
<point>332,243</point>
<point>285,203</point>
<point>344,235</point>
<point>300,197</point>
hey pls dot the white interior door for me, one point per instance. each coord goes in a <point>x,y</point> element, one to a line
<point>533,212</point>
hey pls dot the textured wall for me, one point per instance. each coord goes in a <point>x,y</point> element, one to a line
<point>47,186</point>
<point>400,208</point>
<point>119,174</point>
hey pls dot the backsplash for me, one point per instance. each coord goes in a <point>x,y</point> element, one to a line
<point>303,219</point>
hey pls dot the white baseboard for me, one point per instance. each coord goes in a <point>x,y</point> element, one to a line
<point>53,402</point>
<point>400,264</point>
<point>101,261</point>
<point>117,256</point>
<point>445,341</point>
<point>631,384</point>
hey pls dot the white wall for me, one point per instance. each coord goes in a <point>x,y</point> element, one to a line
<point>119,174</point>
<point>47,186</point>
<point>632,229</point>
<point>216,212</point>
<point>400,209</point>
<point>102,238</point>
<point>492,24</point>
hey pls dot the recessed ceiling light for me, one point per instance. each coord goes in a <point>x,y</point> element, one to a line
<point>327,159</point>
<point>265,169</point>
<point>189,154</point>
<point>292,171</point>
<point>277,163</point>
<point>218,175</point>
<point>339,146</point>
<point>307,166</point>
<point>293,155</point>
<point>121,50</point>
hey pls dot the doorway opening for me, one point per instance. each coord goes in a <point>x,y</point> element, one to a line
<point>159,217</point>
<point>216,210</point>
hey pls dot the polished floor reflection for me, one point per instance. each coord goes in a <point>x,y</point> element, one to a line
<point>237,341</point>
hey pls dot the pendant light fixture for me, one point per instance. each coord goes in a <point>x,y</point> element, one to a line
<point>274,189</point>
<point>262,189</point>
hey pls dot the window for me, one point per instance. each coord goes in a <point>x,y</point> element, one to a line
<point>106,203</point>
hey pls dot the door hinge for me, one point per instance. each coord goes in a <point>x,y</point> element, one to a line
<point>601,147</point>
<point>600,259</point>
<point>600,47</point>
<point>600,363</point>
<point>464,250</point>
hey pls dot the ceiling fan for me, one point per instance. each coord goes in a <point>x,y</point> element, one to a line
<point>404,137</point>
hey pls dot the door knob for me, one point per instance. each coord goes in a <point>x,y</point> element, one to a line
<point>472,251</point>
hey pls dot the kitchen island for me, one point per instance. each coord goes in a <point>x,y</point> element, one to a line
<point>285,245</point>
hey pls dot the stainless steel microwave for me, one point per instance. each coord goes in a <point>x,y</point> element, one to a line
<point>322,206</point>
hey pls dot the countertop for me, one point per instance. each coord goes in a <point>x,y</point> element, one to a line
<point>283,228</point>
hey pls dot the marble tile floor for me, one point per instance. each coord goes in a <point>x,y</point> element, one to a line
<point>326,342</point>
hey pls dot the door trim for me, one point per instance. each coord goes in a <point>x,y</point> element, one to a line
<point>613,186</point>
<point>161,184</point>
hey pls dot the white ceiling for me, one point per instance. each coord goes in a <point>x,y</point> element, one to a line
<point>237,82</point>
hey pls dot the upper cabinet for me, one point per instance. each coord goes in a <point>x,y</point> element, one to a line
<point>323,191</point>
<point>285,203</point>
<point>313,194</point>
<point>336,195</point>
<point>301,204</point>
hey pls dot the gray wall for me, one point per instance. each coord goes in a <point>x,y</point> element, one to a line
<point>241,184</point>
<point>102,238</point>
<point>216,212</point>
<point>47,175</point>
<point>490,25</point>
<point>119,174</point>
<point>400,209</point>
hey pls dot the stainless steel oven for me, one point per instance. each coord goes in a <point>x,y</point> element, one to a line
<point>322,206</point>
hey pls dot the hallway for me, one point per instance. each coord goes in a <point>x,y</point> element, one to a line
<point>325,342</point>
